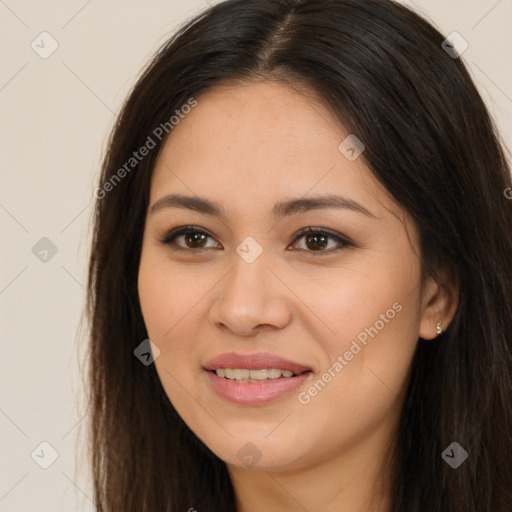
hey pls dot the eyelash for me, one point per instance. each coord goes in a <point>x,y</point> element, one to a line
<point>169,238</point>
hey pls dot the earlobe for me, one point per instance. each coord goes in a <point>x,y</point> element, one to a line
<point>439,306</point>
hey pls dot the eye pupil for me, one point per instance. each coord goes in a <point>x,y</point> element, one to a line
<point>316,242</point>
<point>195,240</point>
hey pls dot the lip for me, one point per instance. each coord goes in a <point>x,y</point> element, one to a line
<point>255,361</point>
<point>255,393</point>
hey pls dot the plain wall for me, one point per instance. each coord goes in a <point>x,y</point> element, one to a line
<point>55,116</point>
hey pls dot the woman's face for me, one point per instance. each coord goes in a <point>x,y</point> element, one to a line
<point>243,290</point>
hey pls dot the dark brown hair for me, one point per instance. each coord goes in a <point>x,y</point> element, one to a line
<point>429,141</point>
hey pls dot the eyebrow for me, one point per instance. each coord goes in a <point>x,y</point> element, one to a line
<point>280,210</point>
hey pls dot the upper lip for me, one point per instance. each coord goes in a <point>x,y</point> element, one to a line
<point>256,361</point>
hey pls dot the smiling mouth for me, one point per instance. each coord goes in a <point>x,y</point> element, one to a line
<point>244,375</point>
<point>255,379</point>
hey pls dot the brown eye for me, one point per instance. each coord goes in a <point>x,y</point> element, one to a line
<point>316,242</point>
<point>320,240</point>
<point>188,238</point>
<point>194,240</point>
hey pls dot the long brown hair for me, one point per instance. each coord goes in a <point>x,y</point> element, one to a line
<point>431,143</point>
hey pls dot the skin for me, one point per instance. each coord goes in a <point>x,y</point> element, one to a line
<point>248,146</point>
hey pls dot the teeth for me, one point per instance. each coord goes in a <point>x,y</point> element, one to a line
<point>237,374</point>
<point>242,374</point>
<point>274,373</point>
<point>259,374</point>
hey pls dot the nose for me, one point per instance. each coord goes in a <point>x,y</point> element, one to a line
<point>252,298</point>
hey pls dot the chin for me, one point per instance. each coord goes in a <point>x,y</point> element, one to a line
<point>258,453</point>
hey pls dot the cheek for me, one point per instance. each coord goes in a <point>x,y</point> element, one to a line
<point>358,390</point>
<point>174,306</point>
<point>167,296</point>
<point>362,301</point>
<point>368,333</point>
<point>169,303</point>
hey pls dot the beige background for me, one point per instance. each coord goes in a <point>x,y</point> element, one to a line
<point>56,114</point>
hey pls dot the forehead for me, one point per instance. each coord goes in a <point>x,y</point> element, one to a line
<point>250,142</point>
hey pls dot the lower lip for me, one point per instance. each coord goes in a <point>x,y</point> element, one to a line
<point>255,393</point>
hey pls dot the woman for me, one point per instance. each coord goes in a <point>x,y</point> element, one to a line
<point>302,206</point>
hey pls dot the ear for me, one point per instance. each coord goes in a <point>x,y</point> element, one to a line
<point>440,300</point>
